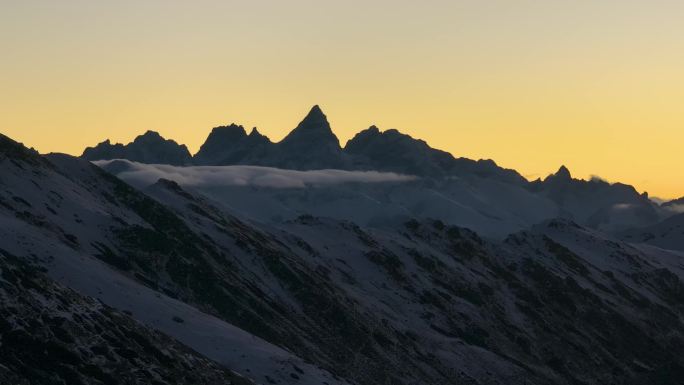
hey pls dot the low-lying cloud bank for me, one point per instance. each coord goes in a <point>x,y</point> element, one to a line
<point>139,174</point>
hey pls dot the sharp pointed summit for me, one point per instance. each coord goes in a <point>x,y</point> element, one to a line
<point>314,128</point>
<point>312,144</point>
<point>563,174</point>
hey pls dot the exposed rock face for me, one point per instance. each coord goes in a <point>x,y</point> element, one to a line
<point>52,335</point>
<point>147,148</point>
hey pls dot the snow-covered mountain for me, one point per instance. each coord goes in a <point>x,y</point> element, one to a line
<point>492,206</point>
<point>598,204</point>
<point>104,239</point>
<point>314,299</point>
<point>668,234</point>
<point>52,334</point>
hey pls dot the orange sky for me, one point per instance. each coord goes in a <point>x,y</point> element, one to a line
<point>595,85</point>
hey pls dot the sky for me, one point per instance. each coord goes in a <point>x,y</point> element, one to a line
<point>595,85</point>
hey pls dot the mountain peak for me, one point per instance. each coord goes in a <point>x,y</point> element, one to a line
<point>316,109</point>
<point>563,173</point>
<point>149,135</point>
<point>230,132</point>
<point>314,130</point>
<point>315,119</point>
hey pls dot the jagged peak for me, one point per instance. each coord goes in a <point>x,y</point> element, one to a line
<point>233,127</point>
<point>316,111</point>
<point>315,119</point>
<point>562,174</point>
<point>255,134</point>
<point>14,150</point>
<point>314,127</point>
<point>149,134</point>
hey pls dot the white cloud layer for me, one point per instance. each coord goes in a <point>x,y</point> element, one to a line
<point>139,174</point>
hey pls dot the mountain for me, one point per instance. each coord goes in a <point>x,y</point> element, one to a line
<point>597,203</point>
<point>52,334</point>
<point>314,300</point>
<point>118,245</point>
<point>311,145</point>
<point>232,145</point>
<point>674,203</point>
<point>147,148</point>
<point>492,207</point>
<point>668,234</point>
<point>391,150</point>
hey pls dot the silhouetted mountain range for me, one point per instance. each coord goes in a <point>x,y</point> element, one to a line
<point>312,145</point>
<point>596,202</point>
<point>674,202</point>
<point>147,148</point>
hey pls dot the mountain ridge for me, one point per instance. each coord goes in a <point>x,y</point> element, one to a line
<point>149,147</point>
<point>311,145</point>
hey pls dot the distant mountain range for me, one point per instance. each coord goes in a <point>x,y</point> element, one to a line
<point>312,145</point>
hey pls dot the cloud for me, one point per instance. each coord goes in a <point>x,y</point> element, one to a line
<point>141,175</point>
<point>598,178</point>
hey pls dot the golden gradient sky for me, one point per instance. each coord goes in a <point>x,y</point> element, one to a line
<point>596,85</point>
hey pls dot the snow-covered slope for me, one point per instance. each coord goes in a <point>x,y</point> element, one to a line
<point>668,234</point>
<point>310,300</point>
<point>53,335</point>
<point>492,311</point>
<point>69,216</point>
<point>490,206</point>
